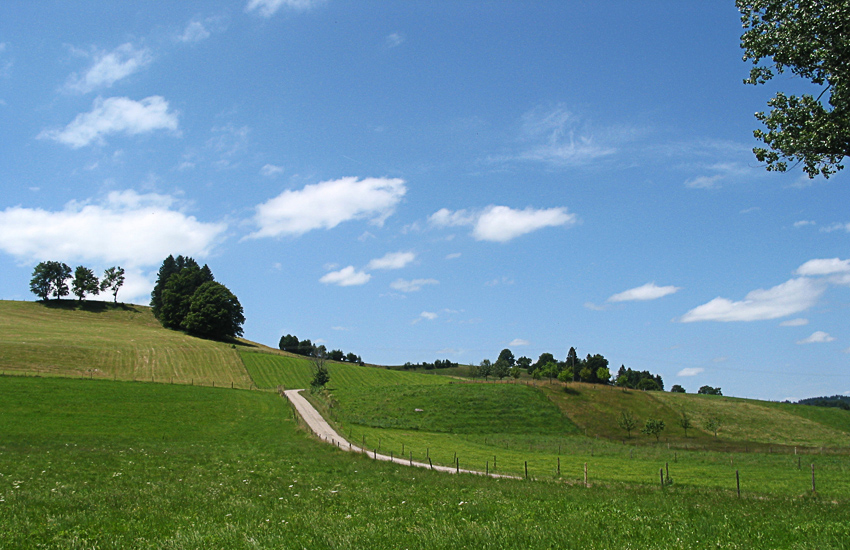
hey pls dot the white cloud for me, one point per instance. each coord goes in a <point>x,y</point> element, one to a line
<point>195,32</point>
<point>327,204</point>
<point>788,298</point>
<point>690,371</point>
<point>519,342</point>
<point>556,136</point>
<point>110,67</point>
<point>818,337</point>
<point>830,266</point>
<point>502,223</point>
<point>803,223</point>
<point>267,8</point>
<point>704,182</point>
<point>271,170</point>
<point>649,291</point>
<point>395,39</point>
<point>403,285</point>
<point>126,228</point>
<point>836,227</point>
<point>346,276</point>
<point>392,260</point>
<point>115,115</point>
<point>798,322</point>
<point>453,255</point>
<point>430,315</point>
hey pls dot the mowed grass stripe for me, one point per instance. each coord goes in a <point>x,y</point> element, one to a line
<point>100,340</point>
<point>270,370</point>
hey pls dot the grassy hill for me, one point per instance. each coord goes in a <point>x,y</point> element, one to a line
<point>101,340</point>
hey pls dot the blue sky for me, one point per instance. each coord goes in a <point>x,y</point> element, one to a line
<point>413,181</point>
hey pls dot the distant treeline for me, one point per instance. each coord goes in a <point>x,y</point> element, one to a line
<point>838,401</point>
<point>447,364</point>
<point>306,348</point>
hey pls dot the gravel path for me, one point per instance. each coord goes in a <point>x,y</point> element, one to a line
<point>323,430</point>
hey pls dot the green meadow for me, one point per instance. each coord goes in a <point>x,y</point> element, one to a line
<point>94,455</point>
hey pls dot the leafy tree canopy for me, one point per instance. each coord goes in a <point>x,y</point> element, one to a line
<point>84,282</point>
<point>811,39</point>
<point>50,278</point>
<point>113,279</point>
<point>214,312</point>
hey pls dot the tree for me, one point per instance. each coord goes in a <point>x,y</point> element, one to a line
<point>113,279</point>
<point>603,375</point>
<point>685,422</point>
<point>543,360</point>
<point>474,371</point>
<point>525,363</point>
<point>810,39</point>
<point>573,362</point>
<point>50,278</point>
<point>352,358</point>
<point>336,355</point>
<point>653,426</point>
<point>515,372</point>
<point>485,368</point>
<point>501,368</point>
<point>289,343</point>
<point>627,422</point>
<point>712,424</point>
<point>507,355</point>
<point>648,384</point>
<point>586,374</point>
<point>177,295</point>
<point>214,312</point>
<point>708,390</point>
<point>550,370</point>
<point>677,389</point>
<point>321,376</point>
<point>84,282</point>
<point>566,375</point>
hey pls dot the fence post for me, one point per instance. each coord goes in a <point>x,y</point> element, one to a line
<point>430,463</point>
<point>559,466</point>
<point>661,471</point>
<point>585,474</point>
<point>526,469</point>
<point>738,483</point>
<point>813,478</point>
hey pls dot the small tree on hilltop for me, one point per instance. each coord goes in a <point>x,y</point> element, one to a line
<point>50,278</point>
<point>501,368</point>
<point>214,312</point>
<point>85,282</point>
<point>677,389</point>
<point>653,426</point>
<point>113,279</point>
<point>627,422</point>
<point>485,369</point>
<point>321,376</point>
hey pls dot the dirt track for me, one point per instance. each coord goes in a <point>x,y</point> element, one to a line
<point>323,430</point>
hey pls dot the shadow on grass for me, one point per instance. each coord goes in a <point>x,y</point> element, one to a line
<point>85,305</point>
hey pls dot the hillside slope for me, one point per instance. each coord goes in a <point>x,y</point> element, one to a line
<point>102,340</point>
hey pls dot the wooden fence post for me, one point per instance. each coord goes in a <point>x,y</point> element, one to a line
<point>813,478</point>
<point>526,469</point>
<point>738,483</point>
<point>585,474</point>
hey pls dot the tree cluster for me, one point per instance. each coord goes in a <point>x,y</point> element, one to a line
<point>187,297</point>
<point>306,348</point>
<point>638,380</point>
<point>437,364</point>
<point>50,278</point>
<point>837,401</point>
<point>708,390</point>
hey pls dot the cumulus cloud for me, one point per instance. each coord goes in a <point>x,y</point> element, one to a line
<point>690,371</point>
<point>109,67</point>
<point>125,228</point>
<point>798,322</point>
<point>403,285</point>
<point>115,115</point>
<point>788,298</point>
<point>430,315</point>
<point>817,337</point>
<point>347,276</point>
<point>649,291</point>
<point>519,342</point>
<point>327,204</point>
<point>392,260</point>
<point>267,8</point>
<point>502,223</point>
<point>830,266</point>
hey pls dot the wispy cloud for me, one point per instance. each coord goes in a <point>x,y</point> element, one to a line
<point>453,256</point>
<point>392,260</point>
<point>267,8</point>
<point>788,298</point>
<point>649,291</point>
<point>115,115</point>
<point>327,204</point>
<point>395,39</point>
<point>403,285</point>
<point>269,170</point>
<point>690,371</point>
<point>126,228</point>
<point>519,342</point>
<point>557,137</point>
<point>109,67</point>
<point>838,226</point>
<point>195,31</point>
<point>829,266</point>
<point>798,322</point>
<point>502,223</point>
<point>347,276</point>
<point>803,223</point>
<point>818,337</point>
